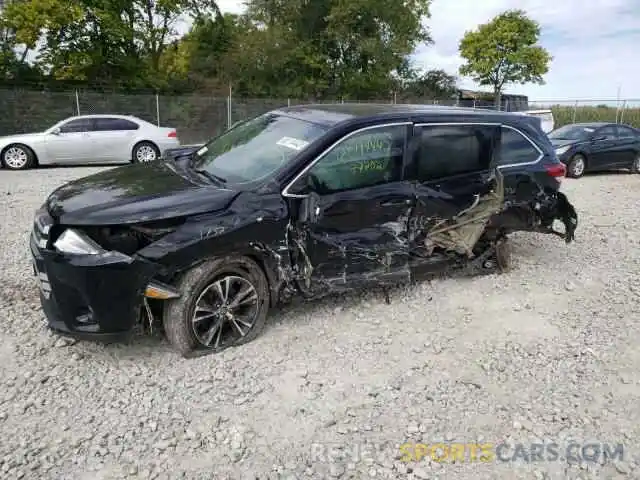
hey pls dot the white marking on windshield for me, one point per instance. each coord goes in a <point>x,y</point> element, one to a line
<point>292,143</point>
<point>586,129</point>
<point>202,151</point>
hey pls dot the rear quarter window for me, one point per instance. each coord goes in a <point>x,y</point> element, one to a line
<point>115,124</point>
<point>625,133</point>
<point>515,148</point>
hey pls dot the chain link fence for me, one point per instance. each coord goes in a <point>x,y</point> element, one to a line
<point>200,117</point>
<point>577,111</point>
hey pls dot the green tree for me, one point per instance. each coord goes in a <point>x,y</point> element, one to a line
<point>432,84</point>
<point>118,42</point>
<point>329,47</point>
<point>202,58</point>
<point>14,66</point>
<point>504,51</point>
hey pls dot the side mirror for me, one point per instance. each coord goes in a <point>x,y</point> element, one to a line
<point>56,131</point>
<point>305,185</point>
<point>309,208</point>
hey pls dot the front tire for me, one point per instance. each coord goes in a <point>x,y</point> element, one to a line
<point>18,157</point>
<point>577,166</point>
<point>145,152</point>
<point>224,303</point>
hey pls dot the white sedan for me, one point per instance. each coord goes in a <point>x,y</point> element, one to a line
<point>88,139</point>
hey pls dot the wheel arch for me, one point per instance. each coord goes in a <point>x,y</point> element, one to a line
<point>584,154</point>
<point>259,254</point>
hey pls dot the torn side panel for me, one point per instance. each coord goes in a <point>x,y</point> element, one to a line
<point>462,232</point>
<point>538,215</point>
<point>349,239</point>
<point>326,263</point>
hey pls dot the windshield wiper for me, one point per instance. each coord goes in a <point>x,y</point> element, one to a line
<point>211,176</point>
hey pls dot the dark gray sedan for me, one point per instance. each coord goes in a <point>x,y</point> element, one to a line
<point>597,146</point>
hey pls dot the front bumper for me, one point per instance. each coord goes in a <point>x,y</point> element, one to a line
<point>94,297</point>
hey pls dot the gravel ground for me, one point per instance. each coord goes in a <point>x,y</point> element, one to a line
<point>547,352</point>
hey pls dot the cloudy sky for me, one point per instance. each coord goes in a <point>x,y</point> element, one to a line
<point>595,43</point>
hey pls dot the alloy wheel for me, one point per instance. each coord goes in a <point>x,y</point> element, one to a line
<point>225,311</point>
<point>578,166</point>
<point>145,154</point>
<point>16,157</point>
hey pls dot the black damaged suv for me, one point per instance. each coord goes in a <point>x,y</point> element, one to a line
<point>305,200</point>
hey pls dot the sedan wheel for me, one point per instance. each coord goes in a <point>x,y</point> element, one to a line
<point>145,152</point>
<point>17,157</point>
<point>576,167</point>
<point>224,304</point>
<point>635,168</point>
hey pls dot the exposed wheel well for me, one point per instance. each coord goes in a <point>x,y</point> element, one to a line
<point>18,144</point>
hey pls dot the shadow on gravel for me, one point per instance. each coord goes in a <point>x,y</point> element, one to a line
<point>76,167</point>
<point>604,174</point>
<point>144,344</point>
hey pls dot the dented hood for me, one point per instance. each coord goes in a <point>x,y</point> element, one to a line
<point>135,193</point>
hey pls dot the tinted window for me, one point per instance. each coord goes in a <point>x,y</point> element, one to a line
<point>514,148</point>
<point>256,148</point>
<point>608,132</point>
<point>78,125</point>
<point>369,158</point>
<point>624,132</point>
<point>111,124</point>
<point>453,150</point>
<point>571,132</point>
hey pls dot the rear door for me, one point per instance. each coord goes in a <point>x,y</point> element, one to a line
<point>605,150</point>
<point>113,139</point>
<point>629,145</point>
<point>452,169</point>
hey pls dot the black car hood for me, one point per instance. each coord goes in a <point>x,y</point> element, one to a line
<point>133,194</point>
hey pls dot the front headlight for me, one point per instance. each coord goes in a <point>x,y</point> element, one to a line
<point>76,243</point>
<point>561,150</point>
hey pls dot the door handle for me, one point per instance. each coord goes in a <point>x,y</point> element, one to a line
<point>395,203</point>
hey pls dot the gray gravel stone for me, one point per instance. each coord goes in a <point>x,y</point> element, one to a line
<point>545,351</point>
